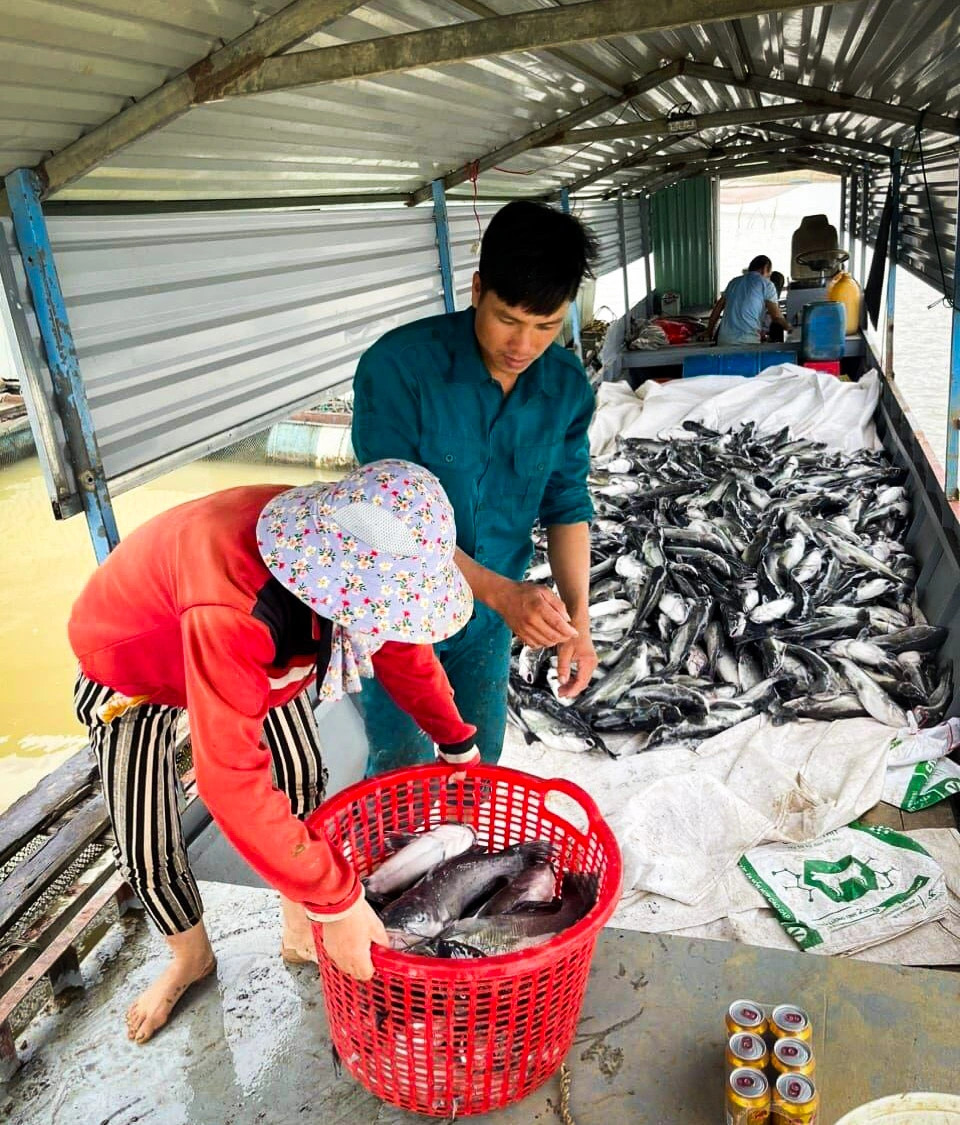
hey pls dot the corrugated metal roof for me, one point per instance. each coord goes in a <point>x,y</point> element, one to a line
<point>68,67</point>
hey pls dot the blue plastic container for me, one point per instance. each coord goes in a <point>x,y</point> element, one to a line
<point>736,363</point>
<point>823,331</point>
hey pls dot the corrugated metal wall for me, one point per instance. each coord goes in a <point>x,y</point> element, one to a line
<point>195,330</point>
<point>683,231</point>
<point>465,236</point>
<point>918,248</point>
<point>633,228</point>
<point>919,240</point>
<point>601,217</point>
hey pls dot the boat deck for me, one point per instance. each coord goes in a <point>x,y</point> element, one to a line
<point>250,1045</point>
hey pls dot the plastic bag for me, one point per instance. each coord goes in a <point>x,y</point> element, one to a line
<point>922,784</point>
<point>920,745</point>
<point>850,889</point>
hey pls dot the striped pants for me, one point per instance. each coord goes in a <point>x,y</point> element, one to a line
<point>135,746</point>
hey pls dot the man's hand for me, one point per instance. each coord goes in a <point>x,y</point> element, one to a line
<point>348,940</point>
<point>576,663</point>
<point>535,614</point>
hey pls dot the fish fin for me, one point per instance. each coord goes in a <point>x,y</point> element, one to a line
<point>533,907</point>
<point>537,851</point>
<point>398,840</point>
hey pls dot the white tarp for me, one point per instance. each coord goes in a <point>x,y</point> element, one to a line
<point>684,819</point>
<point>813,404</point>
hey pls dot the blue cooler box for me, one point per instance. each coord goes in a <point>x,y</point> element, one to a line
<point>824,329</point>
<point>736,363</point>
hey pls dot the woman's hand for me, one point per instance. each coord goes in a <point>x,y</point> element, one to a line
<point>348,940</point>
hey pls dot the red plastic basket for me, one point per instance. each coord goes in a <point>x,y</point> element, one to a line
<point>452,1038</point>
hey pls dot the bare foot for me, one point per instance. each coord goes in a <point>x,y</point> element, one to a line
<point>297,946</point>
<point>192,961</point>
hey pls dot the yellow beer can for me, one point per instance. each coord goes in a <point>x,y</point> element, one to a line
<point>792,1056</point>
<point>745,1048</point>
<point>745,1015</point>
<point>748,1097</point>
<point>787,1021</point>
<point>796,1101</point>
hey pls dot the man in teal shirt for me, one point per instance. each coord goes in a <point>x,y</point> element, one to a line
<point>486,401</point>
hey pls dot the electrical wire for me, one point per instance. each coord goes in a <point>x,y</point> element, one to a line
<point>628,104</point>
<point>473,177</point>
<point>946,301</point>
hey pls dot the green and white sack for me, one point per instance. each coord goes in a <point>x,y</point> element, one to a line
<point>850,889</point>
<point>921,785</point>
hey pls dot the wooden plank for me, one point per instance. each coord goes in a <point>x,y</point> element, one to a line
<point>48,800</point>
<point>936,816</point>
<point>886,816</point>
<point>17,959</point>
<point>50,956</point>
<point>30,879</point>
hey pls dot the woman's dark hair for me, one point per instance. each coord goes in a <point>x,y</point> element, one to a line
<point>759,263</point>
<point>777,280</point>
<point>535,257</point>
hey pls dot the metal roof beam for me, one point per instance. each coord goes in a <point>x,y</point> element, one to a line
<point>541,29</point>
<point>735,152</point>
<point>706,121</point>
<point>815,137</point>
<point>761,168</point>
<point>659,126</point>
<point>538,136</point>
<point>201,83</point>
<point>842,103</point>
<point>570,61</point>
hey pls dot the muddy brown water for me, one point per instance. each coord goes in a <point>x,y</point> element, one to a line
<point>43,566</point>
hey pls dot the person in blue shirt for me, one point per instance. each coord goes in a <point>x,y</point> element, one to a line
<point>488,402</point>
<point>746,301</point>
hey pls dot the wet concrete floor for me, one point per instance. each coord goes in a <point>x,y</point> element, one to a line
<point>250,1045</point>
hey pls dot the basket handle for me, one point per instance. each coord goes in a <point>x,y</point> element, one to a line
<point>574,792</point>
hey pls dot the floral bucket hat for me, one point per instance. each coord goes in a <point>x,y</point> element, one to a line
<point>373,552</point>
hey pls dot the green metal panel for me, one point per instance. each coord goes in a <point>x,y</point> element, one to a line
<point>684,222</point>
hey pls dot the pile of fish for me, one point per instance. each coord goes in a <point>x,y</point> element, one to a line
<point>440,894</point>
<point>737,573</point>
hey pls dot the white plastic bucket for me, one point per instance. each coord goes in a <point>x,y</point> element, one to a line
<point>907,1109</point>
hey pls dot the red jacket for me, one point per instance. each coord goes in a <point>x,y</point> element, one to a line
<point>185,612</point>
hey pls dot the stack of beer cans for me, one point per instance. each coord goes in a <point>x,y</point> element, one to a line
<point>770,1066</point>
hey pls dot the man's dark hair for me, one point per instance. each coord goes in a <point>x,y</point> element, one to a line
<point>535,257</point>
<point>759,263</point>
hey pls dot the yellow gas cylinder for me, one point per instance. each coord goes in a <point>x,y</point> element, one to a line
<point>845,289</point>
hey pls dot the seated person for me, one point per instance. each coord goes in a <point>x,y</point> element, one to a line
<point>774,332</point>
<point>743,305</point>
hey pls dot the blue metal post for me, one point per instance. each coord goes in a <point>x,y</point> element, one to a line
<point>443,244</point>
<point>953,415</point>
<point>23,193</point>
<point>574,307</point>
<point>894,256</point>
